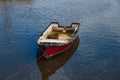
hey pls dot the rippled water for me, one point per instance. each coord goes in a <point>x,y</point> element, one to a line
<point>96,57</point>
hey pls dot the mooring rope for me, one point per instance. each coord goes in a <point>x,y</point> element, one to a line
<point>14,74</point>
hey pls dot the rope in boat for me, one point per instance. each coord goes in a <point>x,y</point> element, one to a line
<point>14,74</point>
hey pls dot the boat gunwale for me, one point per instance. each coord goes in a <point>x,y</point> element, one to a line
<point>67,41</point>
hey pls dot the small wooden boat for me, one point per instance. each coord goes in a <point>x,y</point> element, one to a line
<point>56,39</point>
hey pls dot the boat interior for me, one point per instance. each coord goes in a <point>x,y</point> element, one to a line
<point>54,31</point>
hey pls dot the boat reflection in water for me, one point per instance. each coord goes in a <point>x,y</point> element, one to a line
<point>49,66</point>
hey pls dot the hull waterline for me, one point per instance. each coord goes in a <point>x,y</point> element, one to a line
<point>54,50</point>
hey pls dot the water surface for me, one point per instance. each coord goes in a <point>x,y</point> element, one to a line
<point>96,57</point>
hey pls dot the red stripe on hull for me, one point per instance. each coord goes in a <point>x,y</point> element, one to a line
<point>53,50</point>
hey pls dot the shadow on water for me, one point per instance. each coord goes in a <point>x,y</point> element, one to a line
<point>49,66</point>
